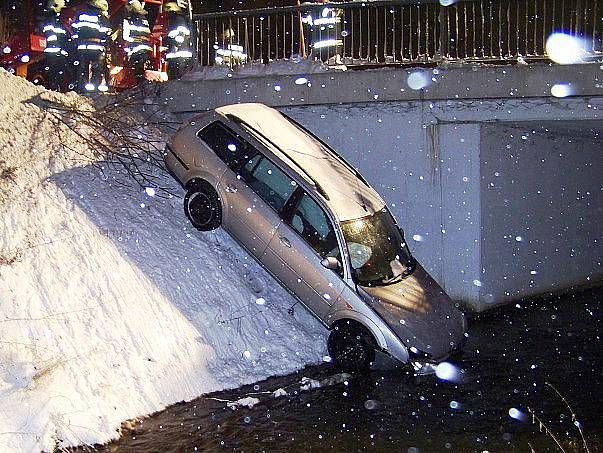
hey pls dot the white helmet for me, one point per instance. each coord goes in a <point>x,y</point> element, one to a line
<point>137,6</point>
<point>56,5</point>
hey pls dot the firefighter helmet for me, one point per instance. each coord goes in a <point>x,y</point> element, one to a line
<point>137,6</point>
<point>227,34</point>
<point>177,5</point>
<point>172,6</point>
<point>56,5</point>
<point>103,5</point>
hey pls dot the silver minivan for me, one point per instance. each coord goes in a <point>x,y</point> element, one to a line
<point>316,225</point>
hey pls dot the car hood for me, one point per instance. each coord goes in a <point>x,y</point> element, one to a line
<point>420,312</point>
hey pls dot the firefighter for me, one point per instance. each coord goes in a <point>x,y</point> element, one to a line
<point>324,26</point>
<point>227,53</point>
<point>136,34</point>
<point>91,30</point>
<point>178,39</point>
<point>57,42</point>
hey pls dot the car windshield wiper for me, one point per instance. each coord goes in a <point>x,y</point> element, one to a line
<point>379,281</point>
<point>371,283</point>
<point>394,279</point>
<point>411,265</point>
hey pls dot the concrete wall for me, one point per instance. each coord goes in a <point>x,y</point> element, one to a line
<point>434,153</point>
<point>383,85</point>
<point>465,190</point>
<point>542,209</point>
<point>428,175</point>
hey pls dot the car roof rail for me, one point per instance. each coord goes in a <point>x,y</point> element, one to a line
<point>304,173</point>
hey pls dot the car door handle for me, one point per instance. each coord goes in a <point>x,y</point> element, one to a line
<point>230,189</point>
<point>286,242</point>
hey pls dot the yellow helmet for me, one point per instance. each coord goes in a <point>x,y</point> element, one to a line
<point>56,5</point>
<point>103,5</point>
<point>137,6</point>
<point>172,6</point>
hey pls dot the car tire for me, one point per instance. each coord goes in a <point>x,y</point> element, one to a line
<point>351,347</point>
<point>202,206</point>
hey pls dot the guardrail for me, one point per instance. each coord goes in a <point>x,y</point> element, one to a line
<point>397,32</point>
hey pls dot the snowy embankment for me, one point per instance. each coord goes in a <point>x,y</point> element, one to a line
<point>111,305</point>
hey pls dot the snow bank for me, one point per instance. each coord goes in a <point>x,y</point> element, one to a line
<point>111,305</point>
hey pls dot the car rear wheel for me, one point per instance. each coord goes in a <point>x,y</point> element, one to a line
<point>202,206</point>
<point>351,346</point>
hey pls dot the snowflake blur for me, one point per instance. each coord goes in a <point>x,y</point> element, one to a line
<point>563,48</point>
<point>446,371</point>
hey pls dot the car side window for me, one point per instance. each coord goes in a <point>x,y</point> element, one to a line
<point>232,149</point>
<point>315,227</point>
<point>268,181</point>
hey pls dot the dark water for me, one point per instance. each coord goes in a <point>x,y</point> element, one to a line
<point>509,356</point>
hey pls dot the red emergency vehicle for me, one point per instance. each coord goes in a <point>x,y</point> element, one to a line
<point>21,41</point>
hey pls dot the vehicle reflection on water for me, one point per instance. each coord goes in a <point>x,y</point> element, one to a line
<point>482,403</point>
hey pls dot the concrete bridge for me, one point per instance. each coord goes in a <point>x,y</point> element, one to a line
<point>498,184</point>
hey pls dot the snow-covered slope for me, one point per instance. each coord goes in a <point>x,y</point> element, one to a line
<point>111,305</point>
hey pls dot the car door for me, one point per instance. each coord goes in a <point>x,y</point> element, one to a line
<point>234,151</point>
<point>255,194</point>
<point>304,238</point>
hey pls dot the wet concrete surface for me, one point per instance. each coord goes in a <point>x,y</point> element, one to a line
<point>511,357</point>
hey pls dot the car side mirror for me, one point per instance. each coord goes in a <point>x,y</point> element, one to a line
<point>330,262</point>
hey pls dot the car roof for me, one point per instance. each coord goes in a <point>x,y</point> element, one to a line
<point>347,194</point>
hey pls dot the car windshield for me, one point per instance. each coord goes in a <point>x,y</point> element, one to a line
<point>378,253</point>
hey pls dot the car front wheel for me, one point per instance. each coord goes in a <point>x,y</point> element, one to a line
<point>351,346</point>
<point>202,207</point>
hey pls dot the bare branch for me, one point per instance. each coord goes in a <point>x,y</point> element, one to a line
<point>127,130</point>
<point>574,417</point>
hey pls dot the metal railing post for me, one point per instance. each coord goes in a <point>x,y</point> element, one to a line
<point>401,31</point>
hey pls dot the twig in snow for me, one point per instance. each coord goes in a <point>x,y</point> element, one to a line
<point>574,417</point>
<point>50,316</point>
<point>542,427</point>
<point>291,309</point>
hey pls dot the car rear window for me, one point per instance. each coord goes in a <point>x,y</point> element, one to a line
<point>231,148</point>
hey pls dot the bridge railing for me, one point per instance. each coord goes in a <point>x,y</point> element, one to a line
<point>397,32</point>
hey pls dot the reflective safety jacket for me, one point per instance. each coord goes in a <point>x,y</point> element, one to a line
<point>178,39</point>
<point>233,54</point>
<point>91,30</point>
<point>136,34</point>
<point>56,35</point>
<point>325,28</point>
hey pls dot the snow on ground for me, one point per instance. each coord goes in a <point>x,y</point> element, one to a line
<point>111,305</point>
